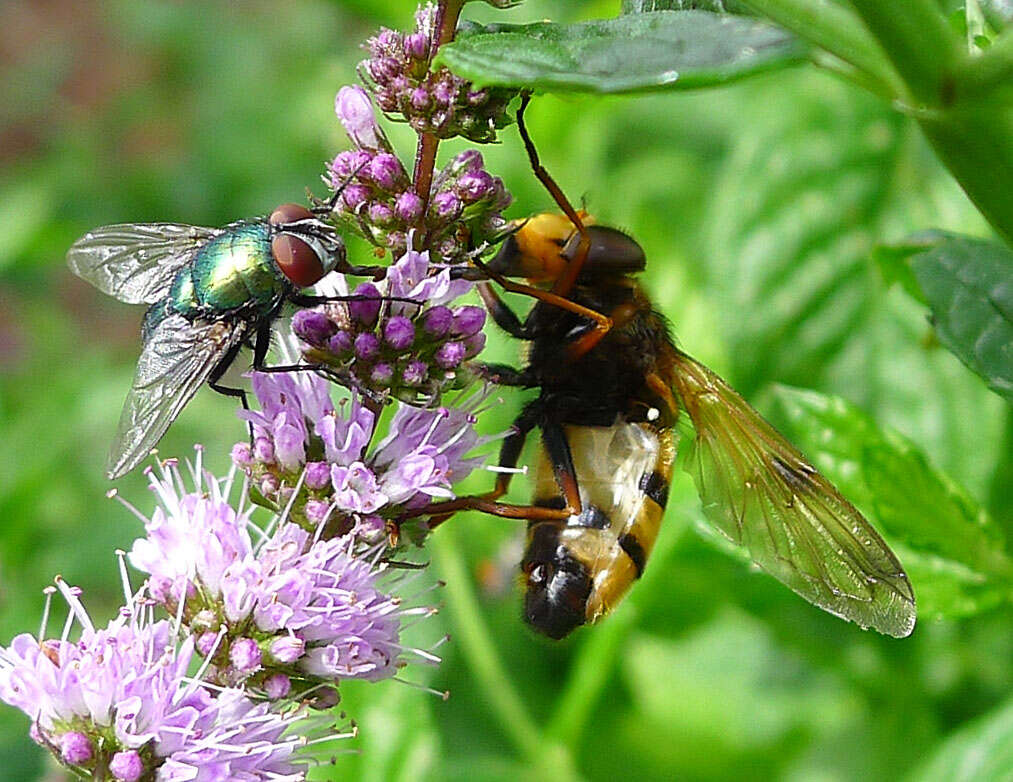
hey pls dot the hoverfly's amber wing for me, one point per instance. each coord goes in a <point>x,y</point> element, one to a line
<point>136,262</point>
<point>178,357</point>
<point>761,492</point>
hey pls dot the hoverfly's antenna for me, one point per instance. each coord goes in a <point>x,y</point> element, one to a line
<point>565,282</point>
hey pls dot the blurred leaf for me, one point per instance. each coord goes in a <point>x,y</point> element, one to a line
<point>998,12</point>
<point>952,550</point>
<point>633,53</point>
<point>969,286</point>
<point>806,194</point>
<point>980,752</point>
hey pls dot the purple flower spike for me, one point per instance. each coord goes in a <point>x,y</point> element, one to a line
<point>365,310</point>
<point>469,320</point>
<point>399,332</point>
<point>416,46</point>
<point>408,207</point>
<point>206,643</point>
<point>316,511</point>
<point>263,450</point>
<point>75,748</point>
<point>355,111</point>
<point>450,354</point>
<point>277,686</point>
<point>356,489</point>
<point>367,345</point>
<point>245,655</point>
<point>313,327</point>
<point>126,766</point>
<point>242,455</point>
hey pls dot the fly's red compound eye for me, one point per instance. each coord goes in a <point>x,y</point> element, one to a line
<point>289,213</point>
<point>297,260</point>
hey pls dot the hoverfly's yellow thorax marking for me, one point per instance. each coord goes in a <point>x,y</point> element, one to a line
<point>623,472</point>
<point>540,240</point>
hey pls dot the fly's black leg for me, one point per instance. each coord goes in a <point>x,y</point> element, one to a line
<point>221,369</point>
<point>304,300</point>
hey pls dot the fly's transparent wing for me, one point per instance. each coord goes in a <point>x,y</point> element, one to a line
<point>760,491</point>
<point>177,358</point>
<point>136,262</point>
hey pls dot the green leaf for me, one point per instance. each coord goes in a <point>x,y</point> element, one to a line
<point>983,750</point>
<point>717,6</point>
<point>660,50</point>
<point>894,260</point>
<point>952,549</point>
<point>969,286</point>
<point>804,197</point>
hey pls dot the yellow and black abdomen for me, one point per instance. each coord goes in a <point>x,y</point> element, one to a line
<point>579,569</point>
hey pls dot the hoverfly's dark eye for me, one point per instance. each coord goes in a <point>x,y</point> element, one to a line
<point>297,260</point>
<point>289,213</point>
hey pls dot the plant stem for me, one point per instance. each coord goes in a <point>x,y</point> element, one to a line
<point>836,30</point>
<point>447,14</point>
<point>473,637</point>
<point>918,41</point>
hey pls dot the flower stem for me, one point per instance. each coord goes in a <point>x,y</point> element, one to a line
<point>447,14</point>
<point>549,759</point>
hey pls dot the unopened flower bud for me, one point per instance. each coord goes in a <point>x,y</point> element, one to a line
<point>277,686</point>
<point>446,205</point>
<point>473,345</point>
<point>408,207</point>
<point>386,171</point>
<point>355,195</point>
<point>316,511</point>
<point>474,186</point>
<point>367,308</point>
<point>416,46</point>
<point>414,373</point>
<point>126,766</point>
<point>287,649</point>
<point>206,643</point>
<point>244,655</point>
<point>341,343</point>
<point>367,346</point>
<point>450,354</point>
<point>318,475</point>
<point>399,332</point>
<point>263,450</point>
<point>438,321</point>
<point>468,320</point>
<point>380,214</point>
<point>420,99</point>
<point>75,748</point>
<point>313,327</point>
<point>381,374</point>
<point>242,455</point>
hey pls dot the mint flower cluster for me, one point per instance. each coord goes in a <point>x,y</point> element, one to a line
<point>272,600</point>
<point>118,703</point>
<point>411,352</point>
<point>378,202</point>
<point>432,101</point>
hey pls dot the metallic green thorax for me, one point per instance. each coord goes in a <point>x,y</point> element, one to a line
<point>234,273</point>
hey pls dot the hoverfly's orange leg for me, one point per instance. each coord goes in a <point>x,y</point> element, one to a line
<point>602,323</point>
<point>566,281</point>
<point>622,315</point>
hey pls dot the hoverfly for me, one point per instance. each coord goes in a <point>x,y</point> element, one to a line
<point>613,385</point>
<point>211,291</point>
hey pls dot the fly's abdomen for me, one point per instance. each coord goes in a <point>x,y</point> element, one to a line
<point>623,472</point>
<point>236,269</point>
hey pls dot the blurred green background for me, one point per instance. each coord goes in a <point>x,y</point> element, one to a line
<point>758,205</point>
